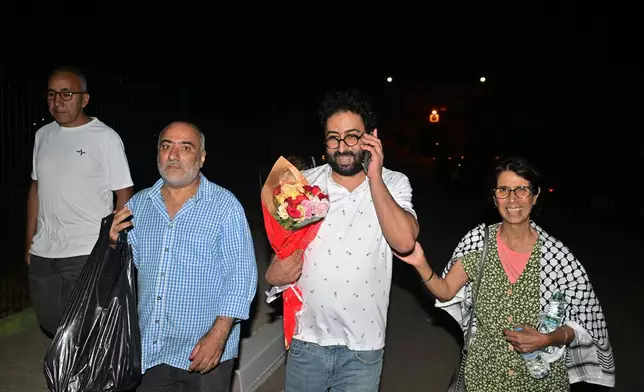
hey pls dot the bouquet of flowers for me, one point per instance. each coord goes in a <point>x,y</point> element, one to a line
<point>293,212</point>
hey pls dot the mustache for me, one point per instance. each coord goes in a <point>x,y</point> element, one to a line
<point>173,164</point>
<point>338,154</point>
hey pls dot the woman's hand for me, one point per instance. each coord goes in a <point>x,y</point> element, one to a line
<point>416,258</point>
<point>527,339</point>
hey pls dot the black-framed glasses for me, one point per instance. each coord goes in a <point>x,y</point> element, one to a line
<point>64,95</point>
<point>503,192</point>
<point>350,140</point>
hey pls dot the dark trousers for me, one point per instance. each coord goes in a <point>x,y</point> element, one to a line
<point>165,378</point>
<point>50,284</point>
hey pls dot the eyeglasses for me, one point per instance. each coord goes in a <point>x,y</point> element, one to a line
<point>64,95</point>
<point>503,192</point>
<point>350,140</point>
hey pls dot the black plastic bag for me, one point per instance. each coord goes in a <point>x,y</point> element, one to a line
<point>97,346</point>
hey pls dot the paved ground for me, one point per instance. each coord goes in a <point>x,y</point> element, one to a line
<point>421,354</point>
<point>21,357</point>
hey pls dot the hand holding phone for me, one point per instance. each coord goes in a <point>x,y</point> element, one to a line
<point>367,156</point>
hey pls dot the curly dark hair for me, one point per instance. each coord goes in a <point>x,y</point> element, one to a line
<point>352,100</point>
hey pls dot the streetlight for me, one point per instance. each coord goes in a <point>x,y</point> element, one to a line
<point>482,79</point>
<point>389,79</point>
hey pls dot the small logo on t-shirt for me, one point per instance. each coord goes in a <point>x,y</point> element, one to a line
<point>81,152</point>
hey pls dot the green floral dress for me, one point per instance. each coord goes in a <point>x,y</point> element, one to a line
<point>493,365</point>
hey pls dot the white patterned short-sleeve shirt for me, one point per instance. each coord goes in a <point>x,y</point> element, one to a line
<point>346,276</point>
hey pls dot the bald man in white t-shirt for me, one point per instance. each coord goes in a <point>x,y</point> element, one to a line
<point>78,163</point>
<point>345,276</point>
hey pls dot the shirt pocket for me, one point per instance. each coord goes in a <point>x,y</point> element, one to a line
<point>195,251</point>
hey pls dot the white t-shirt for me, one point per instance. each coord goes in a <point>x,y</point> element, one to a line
<point>77,169</point>
<point>346,275</point>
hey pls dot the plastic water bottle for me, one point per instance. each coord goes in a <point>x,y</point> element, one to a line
<point>537,366</point>
<point>554,317</point>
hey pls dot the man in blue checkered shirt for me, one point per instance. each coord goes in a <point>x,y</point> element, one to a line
<point>197,273</point>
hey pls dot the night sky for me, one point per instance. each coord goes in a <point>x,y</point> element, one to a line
<point>550,93</point>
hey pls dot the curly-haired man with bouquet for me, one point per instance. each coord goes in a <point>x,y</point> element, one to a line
<point>345,273</point>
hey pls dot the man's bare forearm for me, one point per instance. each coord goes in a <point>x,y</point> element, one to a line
<point>221,328</point>
<point>123,196</point>
<point>398,226</point>
<point>32,214</point>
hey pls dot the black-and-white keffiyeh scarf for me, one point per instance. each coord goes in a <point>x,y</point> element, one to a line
<point>589,358</point>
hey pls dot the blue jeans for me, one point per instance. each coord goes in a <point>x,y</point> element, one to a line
<point>314,368</point>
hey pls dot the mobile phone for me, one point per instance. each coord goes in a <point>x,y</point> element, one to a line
<point>367,156</point>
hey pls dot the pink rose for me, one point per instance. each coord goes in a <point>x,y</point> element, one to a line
<point>309,208</point>
<point>322,208</point>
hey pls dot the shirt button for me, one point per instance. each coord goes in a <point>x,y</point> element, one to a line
<point>154,342</point>
<point>510,372</point>
<point>510,347</point>
<point>509,319</point>
<point>156,321</point>
<point>509,292</point>
<point>166,249</point>
<point>162,273</point>
<point>158,298</point>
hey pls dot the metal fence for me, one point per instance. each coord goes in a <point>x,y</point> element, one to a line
<point>20,117</point>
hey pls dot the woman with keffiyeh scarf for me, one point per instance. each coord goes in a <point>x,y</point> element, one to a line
<point>525,266</point>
